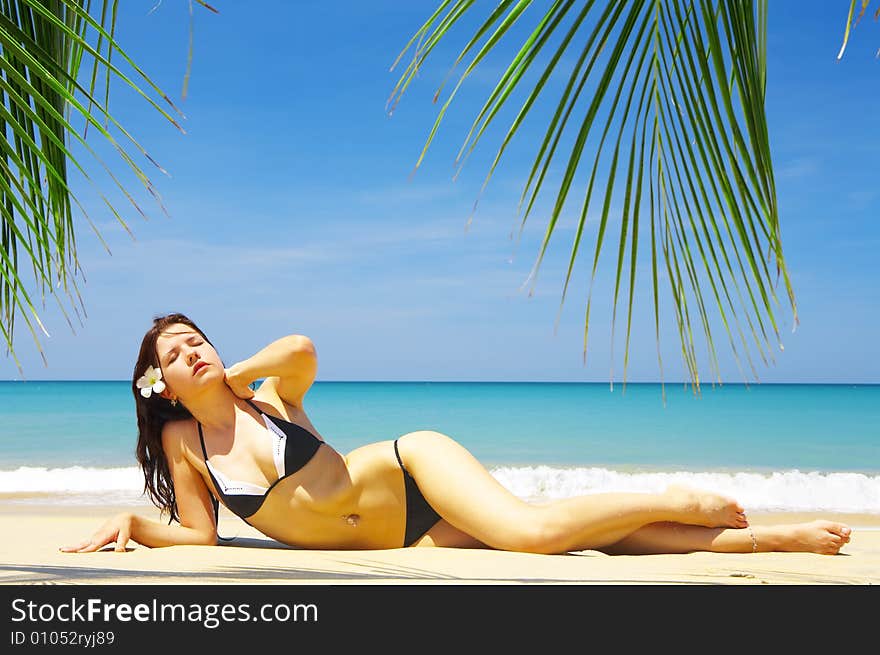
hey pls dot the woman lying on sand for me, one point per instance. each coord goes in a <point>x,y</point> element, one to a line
<point>205,434</point>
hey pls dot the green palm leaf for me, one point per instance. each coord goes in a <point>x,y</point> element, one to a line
<point>677,90</point>
<point>42,46</point>
<point>849,23</point>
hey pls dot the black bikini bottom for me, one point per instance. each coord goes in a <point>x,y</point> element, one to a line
<point>420,516</point>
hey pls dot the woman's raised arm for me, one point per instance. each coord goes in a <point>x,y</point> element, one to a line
<point>288,364</point>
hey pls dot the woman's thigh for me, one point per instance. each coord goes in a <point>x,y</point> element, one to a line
<point>446,535</point>
<point>467,496</point>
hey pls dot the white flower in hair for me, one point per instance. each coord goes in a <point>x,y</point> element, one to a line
<point>151,381</point>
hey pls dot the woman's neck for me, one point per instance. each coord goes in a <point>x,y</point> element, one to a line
<point>215,408</point>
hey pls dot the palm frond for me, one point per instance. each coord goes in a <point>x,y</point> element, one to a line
<point>42,46</point>
<point>676,102</point>
<point>849,23</point>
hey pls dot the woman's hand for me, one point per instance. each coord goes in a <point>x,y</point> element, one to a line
<point>237,381</point>
<point>116,529</point>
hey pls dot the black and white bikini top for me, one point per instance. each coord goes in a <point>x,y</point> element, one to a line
<point>292,449</point>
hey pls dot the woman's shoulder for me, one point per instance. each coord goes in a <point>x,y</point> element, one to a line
<point>177,429</point>
<point>180,436</point>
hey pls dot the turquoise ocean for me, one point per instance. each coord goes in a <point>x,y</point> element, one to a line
<point>775,447</point>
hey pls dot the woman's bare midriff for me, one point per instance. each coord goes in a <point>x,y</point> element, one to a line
<point>355,501</point>
<point>335,502</point>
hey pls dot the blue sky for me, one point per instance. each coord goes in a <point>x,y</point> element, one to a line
<point>292,209</point>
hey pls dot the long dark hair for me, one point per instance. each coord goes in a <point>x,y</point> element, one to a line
<point>152,414</point>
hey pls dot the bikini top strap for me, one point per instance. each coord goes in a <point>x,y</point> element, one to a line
<point>202,440</point>
<point>214,502</point>
<point>250,402</point>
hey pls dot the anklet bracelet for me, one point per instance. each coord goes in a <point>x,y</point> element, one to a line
<point>754,541</point>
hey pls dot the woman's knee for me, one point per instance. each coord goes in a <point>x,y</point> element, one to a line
<point>537,532</point>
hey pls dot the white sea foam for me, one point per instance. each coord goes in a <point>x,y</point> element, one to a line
<point>791,490</point>
<point>74,485</point>
<point>777,491</point>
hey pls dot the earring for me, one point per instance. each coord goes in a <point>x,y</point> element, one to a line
<point>174,401</point>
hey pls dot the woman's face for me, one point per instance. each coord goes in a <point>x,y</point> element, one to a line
<point>187,361</point>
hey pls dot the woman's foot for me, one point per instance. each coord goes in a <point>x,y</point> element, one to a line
<point>821,536</point>
<point>705,508</point>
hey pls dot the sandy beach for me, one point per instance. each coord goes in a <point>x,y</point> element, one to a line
<point>33,533</point>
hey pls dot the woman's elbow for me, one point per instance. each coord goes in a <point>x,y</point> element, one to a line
<point>302,342</point>
<point>203,536</point>
<point>208,539</point>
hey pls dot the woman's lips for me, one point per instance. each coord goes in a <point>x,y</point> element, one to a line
<point>198,367</point>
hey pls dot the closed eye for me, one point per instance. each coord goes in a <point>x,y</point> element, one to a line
<point>174,350</point>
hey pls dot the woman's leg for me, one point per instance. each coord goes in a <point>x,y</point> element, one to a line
<point>466,495</point>
<point>825,537</point>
